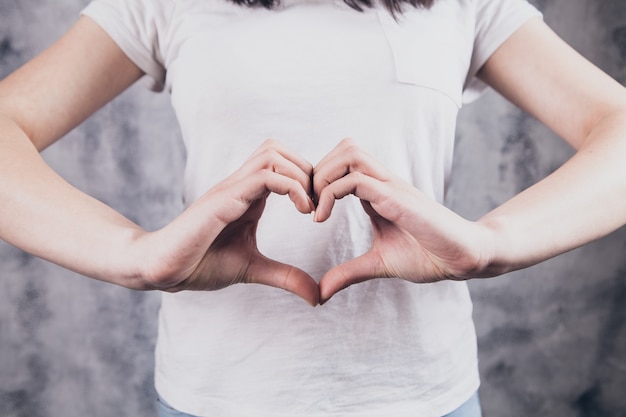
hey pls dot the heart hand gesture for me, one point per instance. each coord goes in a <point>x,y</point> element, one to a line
<point>414,237</point>
<point>212,245</point>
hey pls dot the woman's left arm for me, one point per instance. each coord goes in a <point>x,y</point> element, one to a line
<point>417,239</point>
<point>585,198</point>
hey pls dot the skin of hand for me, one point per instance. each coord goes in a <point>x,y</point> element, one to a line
<point>414,237</point>
<point>212,245</point>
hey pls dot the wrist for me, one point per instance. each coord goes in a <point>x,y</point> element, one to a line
<point>135,260</point>
<point>159,260</point>
<point>497,248</point>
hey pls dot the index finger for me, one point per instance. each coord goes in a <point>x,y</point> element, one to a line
<point>345,158</point>
<point>282,150</point>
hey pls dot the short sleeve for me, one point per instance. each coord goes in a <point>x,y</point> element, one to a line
<point>496,21</point>
<point>136,26</point>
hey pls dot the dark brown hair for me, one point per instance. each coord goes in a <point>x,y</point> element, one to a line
<point>394,6</point>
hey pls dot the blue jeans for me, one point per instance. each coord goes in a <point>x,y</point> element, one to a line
<point>471,408</point>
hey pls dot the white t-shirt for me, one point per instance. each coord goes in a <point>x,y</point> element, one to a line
<point>310,73</point>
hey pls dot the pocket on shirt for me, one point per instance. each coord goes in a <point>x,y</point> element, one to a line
<point>428,51</point>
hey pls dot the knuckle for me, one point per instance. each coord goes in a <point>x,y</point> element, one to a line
<point>265,174</point>
<point>271,159</point>
<point>356,176</point>
<point>347,142</point>
<point>351,146</point>
<point>270,143</point>
<point>320,181</point>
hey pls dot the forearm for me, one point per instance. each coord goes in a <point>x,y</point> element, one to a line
<point>582,201</point>
<point>44,215</point>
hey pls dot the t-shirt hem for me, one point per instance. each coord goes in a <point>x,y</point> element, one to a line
<point>436,407</point>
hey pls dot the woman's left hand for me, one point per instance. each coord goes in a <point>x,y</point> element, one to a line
<point>414,237</point>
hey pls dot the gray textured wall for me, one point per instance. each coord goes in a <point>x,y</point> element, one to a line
<point>552,337</point>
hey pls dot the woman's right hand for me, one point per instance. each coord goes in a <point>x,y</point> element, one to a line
<point>212,244</point>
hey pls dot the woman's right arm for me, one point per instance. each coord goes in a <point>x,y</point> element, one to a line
<point>205,248</point>
<point>39,103</point>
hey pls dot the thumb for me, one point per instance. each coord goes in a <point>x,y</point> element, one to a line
<point>263,270</point>
<point>362,268</point>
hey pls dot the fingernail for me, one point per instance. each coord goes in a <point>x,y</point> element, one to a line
<point>313,303</point>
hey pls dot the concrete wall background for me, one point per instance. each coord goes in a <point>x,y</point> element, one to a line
<point>552,337</point>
